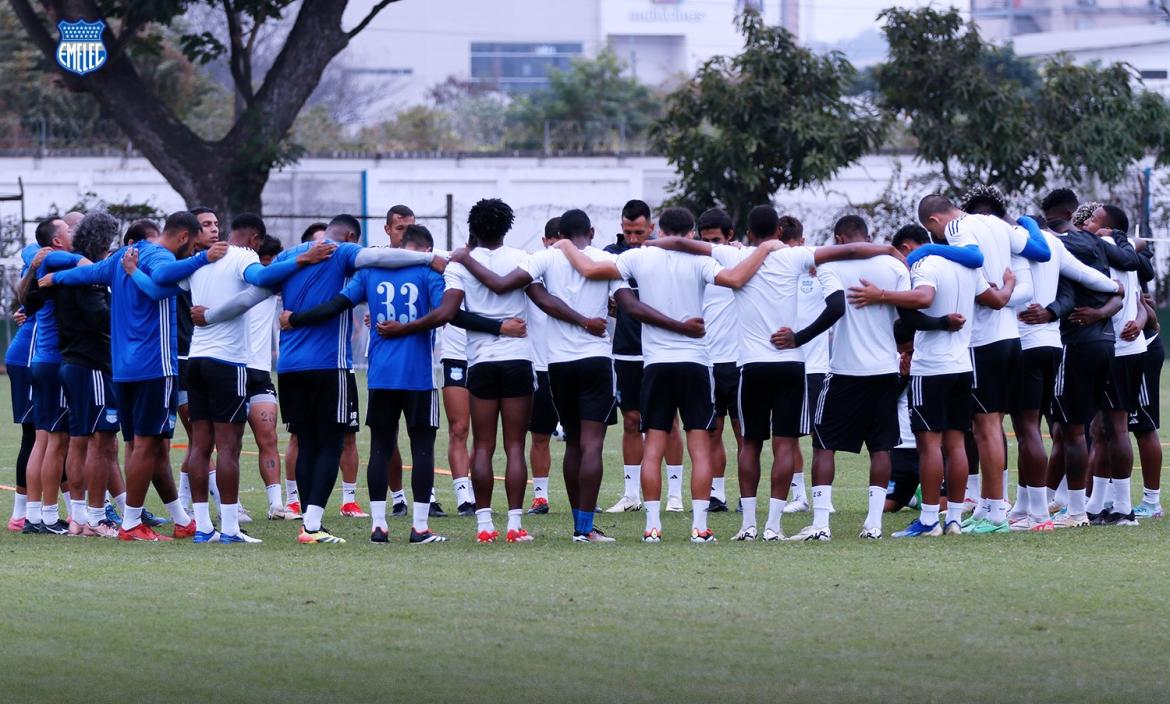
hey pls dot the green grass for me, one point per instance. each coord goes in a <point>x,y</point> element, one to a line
<point>1071,616</point>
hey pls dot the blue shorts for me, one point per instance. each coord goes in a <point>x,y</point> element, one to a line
<point>20,379</point>
<point>147,407</point>
<point>92,405</point>
<point>51,408</point>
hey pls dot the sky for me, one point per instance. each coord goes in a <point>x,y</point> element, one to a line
<point>833,20</point>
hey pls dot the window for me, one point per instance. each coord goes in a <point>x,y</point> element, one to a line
<point>519,67</point>
<point>1155,74</point>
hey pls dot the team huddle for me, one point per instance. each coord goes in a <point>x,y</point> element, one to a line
<point>916,350</point>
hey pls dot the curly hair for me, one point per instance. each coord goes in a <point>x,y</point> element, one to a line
<point>989,195</point>
<point>94,234</point>
<point>490,219</point>
<point>1083,212</point>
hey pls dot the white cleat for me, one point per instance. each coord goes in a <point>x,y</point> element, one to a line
<point>625,504</point>
<point>281,513</point>
<point>1070,520</point>
<point>674,504</point>
<point>746,535</point>
<point>811,533</point>
<point>797,506</point>
<point>970,505</point>
<point>771,536</point>
<point>245,517</point>
<point>867,533</point>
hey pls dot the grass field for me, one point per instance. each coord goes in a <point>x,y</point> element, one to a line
<point>1071,616</point>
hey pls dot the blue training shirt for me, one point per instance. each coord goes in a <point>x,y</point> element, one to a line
<point>144,338</point>
<point>19,352</point>
<point>325,345</point>
<point>404,295</point>
<point>46,349</point>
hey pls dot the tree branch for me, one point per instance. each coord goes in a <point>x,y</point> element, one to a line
<point>237,62</point>
<point>368,19</point>
<point>35,28</point>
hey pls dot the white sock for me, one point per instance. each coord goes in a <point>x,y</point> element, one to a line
<point>185,488</point>
<point>928,514</point>
<point>378,515</point>
<point>95,515</point>
<point>1076,501</point>
<point>120,502</point>
<point>77,511</point>
<point>398,497</point>
<point>674,480</point>
<point>274,498</point>
<point>1149,496</point>
<point>699,514</point>
<point>632,474</point>
<point>432,499</point>
<point>514,516</point>
<point>202,511</point>
<point>1007,482</point>
<point>348,492</point>
<point>982,508</point>
<point>418,516</point>
<point>32,512</point>
<point>1050,494</point>
<point>213,490</point>
<point>749,512</point>
<point>229,519</point>
<point>954,512</point>
<point>312,518</point>
<point>1096,501</point>
<point>1062,491</point>
<point>50,514</point>
<point>1037,500</point>
<point>717,491</point>
<point>653,515</point>
<point>1020,508</point>
<point>131,517</point>
<point>797,489</point>
<point>179,514</point>
<point>20,505</point>
<point>1122,498</point>
<point>996,512</point>
<point>775,514</point>
<point>290,489</point>
<point>877,504</point>
<point>483,520</point>
<point>462,494</point>
<point>972,486</point>
<point>67,497</point>
<point>540,488</point>
<point>822,502</point>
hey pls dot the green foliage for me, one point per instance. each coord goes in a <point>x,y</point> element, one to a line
<point>771,118</point>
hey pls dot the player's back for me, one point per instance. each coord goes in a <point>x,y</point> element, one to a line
<point>864,339</point>
<point>212,286</point>
<point>955,288</point>
<point>477,298</point>
<point>673,283</point>
<point>768,301</point>
<point>588,297</point>
<point>144,336</point>
<point>402,296</point>
<point>326,345</point>
<point>997,241</point>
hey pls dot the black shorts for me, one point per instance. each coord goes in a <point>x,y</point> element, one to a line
<point>319,397</point>
<point>455,373</point>
<point>583,390</point>
<point>685,388</point>
<point>218,391</point>
<point>386,406</point>
<point>1148,417</point>
<point>181,380</point>
<point>147,408</point>
<point>20,379</point>
<point>856,410</point>
<point>991,385</point>
<point>813,383</point>
<point>726,389</point>
<point>773,400</point>
<point>1124,384</point>
<point>1081,381</point>
<point>629,384</point>
<point>544,415</point>
<point>1035,380</point>
<point>259,386</point>
<point>904,478</point>
<point>495,380</point>
<point>940,402</point>
<point>50,409</point>
<point>93,407</point>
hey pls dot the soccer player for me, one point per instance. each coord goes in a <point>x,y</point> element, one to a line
<point>17,360</point>
<point>398,218</point>
<point>677,374</point>
<point>456,406</point>
<point>314,232</point>
<point>544,414</point>
<point>145,361</point>
<point>1145,423</point>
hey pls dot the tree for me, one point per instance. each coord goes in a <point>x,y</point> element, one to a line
<point>773,117</point>
<point>228,172</point>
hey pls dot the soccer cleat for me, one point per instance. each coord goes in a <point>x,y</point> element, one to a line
<point>1021,524</point>
<point>986,527</point>
<point>31,528</point>
<point>318,537</point>
<point>674,504</point>
<point>1055,507</point>
<point>294,507</point>
<point>76,530</point>
<point>466,508</point>
<point>1098,519</point>
<point>15,525</point>
<point>539,506</point>
<point>211,536</point>
<point>1121,519</point>
<point>112,514</point>
<point>745,535</point>
<point>717,506</point>
<point>487,536</point>
<point>379,536</point>
<point>282,513</point>
<point>771,536</point>
<point>625,504</point>
<point>397,511</point>
<point>867,533</point>
<point>703,536</point>
<point>425,537</point>
<point>58,528</point>
<point>953,528</point>
<point>1070,520</point>
<point>1142,510</point>
<point>249,540</point>
<point>797,506</point>
<point>105,529</point>
<point>518,536</point>
<point>436,510</point>
<point>654,535</point>
<point>87,531</point>
<point>184,532</point>
<point>1044,526</point>
<point>245,517</point>
<point>142,533</point>
<point>152,520</point>
<point>593,536</point>
<point>917,529</point>
<point>223,538</point>
<point>970,505</point>
<point>353,510</point>
<point>811,534</point>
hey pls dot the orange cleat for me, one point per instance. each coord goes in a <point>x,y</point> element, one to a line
<point>487,536</point>
<point>518,536</point>
<point>142,533</point>
<point>185,532</point>
<point>352,510</point>
<point>295,507</point>
<point>15,525</point>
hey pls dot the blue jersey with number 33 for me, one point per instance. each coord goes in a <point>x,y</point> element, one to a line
<point>402,295</point>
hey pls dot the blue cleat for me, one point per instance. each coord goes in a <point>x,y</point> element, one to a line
<point>112,515</point>
<point>211,536</point>
<point>152,520</point>
<point>917,530</point>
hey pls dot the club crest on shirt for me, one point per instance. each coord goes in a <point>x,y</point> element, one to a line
<point>80,49</point>
<point>806,285</point>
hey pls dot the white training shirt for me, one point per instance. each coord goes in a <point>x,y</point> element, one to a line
<point>538,324</point>
<point>1045,280</point>
<point>810,303</point>
<point>1128,312</point>
<point>905,434</point>
<point>998,241</point>
<point>863,344</point>
<point>767,302</point>
<point>673,283</point>
<point>955,288</point>
<point>719,314</point>
<point>477,298</point>
<point>261,319</point>
<point>454,343</point>
<point>567,342</point>
<point>212,286</point>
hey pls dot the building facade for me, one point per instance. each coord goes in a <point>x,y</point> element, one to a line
<point>1000,19</point>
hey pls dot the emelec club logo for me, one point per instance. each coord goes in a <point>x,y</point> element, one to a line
<point>80,49</point>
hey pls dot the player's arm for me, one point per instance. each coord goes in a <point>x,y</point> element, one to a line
<point>911,319</point>
<point>854,250</point>
<point>555,307</point>
<point>1074,269</point>
<point>1035,247</point>
<point>1145,270</point>
<point>1022,293</point>
<point>1134,327</point>
<point>968,255</point>
<point>317,314</point>
<point>632,306</point>
<point>996,297</point>
<point>865,293</point>
<point>275,274</point>
<point>388,258</point>
<point>682,244</point>
<point>1085,315</point>
<point>153,291</point>
<point>252,296</point>
<point>173,272</point>
<point>786,339</point>
<point>100,273</point>
<point>737,276</point>
<point>1121,255</point>
<point>592,269</point>
<point>441,314</point>
<point>517,278</point>
<point>474,322</point>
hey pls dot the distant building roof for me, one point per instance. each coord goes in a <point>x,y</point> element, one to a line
<point>1044,43</point>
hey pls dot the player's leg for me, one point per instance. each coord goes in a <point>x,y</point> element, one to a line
<point>755,413</point>
<point>629,391</point>
<point>75,479</point>
<point>350,507</point>
<point>543,424</point>
<point>654,449</point>
<point>200,443</point>
<point>1033,465</point>
<point>229,438</point>
<point>382,414</point>
<point>718,501</point>
<point>1144,425</point>
<point>52,468</point>
<point>456,407</point>
<point>262,421</point>
<point>485,414</point>
<point>515,416</point>
<point>101,454</point>
<point>28,438</point>
<point>291,488</point>
<point>422,423</point>
<point>675,469</point>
